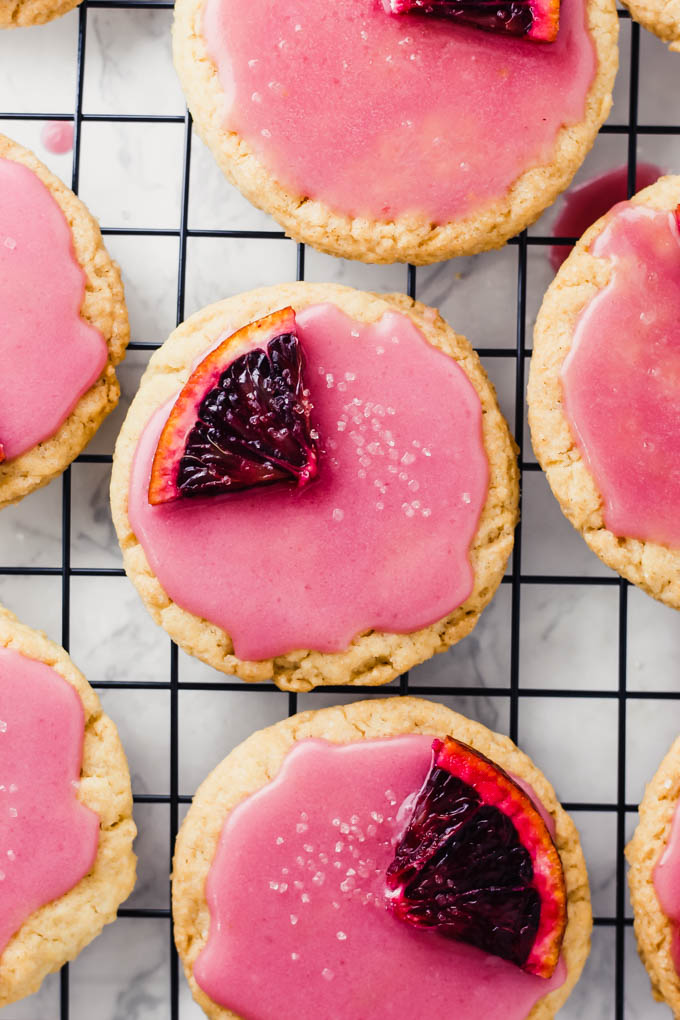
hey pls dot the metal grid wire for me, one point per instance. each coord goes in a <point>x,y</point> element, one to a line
<point>515,579</point>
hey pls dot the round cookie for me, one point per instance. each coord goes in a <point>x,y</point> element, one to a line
<point>104,308</point>
<point>373,657</point>
<point>56,933</point>
<point>653,567</point>
<point>256,762</point>
<point>663,19</point>
<point>653,929</point>
<point>20,13</point>
<point>409,237</point>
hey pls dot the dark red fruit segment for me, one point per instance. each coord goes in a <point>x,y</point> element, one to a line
<point>477,863</point>
<point>239,421</point>
<point>2,453</point>
<point>677,215</point>
<point>534,19</point>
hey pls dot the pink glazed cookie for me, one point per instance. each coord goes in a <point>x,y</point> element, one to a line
<point>65,325</point>
<point>280,898</point>
<point>392,551</point>
<point>604,389</point>
<point>393,137</point>
<point>654,879</point>
<point>66,829</point>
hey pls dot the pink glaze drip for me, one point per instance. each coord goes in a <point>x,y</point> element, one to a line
<point>299,926</point>
<point>57,136</point>
<point>621,378</point>
<point>379,540</point>
<point>585,204</point>
<point>667,885</point>
<point>48,839</point>
<point>380,115</point>
<point>50,355</point>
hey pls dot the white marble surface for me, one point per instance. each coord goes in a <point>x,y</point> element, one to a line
<point>130,176</point>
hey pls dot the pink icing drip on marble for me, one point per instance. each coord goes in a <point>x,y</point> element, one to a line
<point>382,116</point>
<point>48,839</point>
<point>298,924</point>
<point>380,540</point>
<point>57,136</point>
<point>585,204</point>
<point>621,378</point>
<point>50,355</point>
<point>667,885</point>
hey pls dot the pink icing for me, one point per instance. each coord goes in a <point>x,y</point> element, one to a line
<point>621,377</point>
<point>667,885</point>
<point>48,839</point>
<point>585,204</point>
<point>379,115</point>
<point>298,924</point>
<point>379,540</point>
<point>50,355</point>
<point>57,136</point>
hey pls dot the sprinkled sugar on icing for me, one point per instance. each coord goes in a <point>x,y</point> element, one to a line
<point>297,892</point>
<point>383,116</point>
<point>48,839</point>
<point>402,483</point>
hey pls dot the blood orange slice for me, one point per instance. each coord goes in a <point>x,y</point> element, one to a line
<point>477,863</point>
<point>239,421</point>
<point>534,19</point>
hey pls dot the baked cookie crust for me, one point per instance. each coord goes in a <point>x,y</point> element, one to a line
<point>409,238</point>
<point>662,17</point>
<point>373,657</point>
<point>654,568</point>
<point>104,308</point>
<point>21,13</point>
<point>58,931</point>
<point>257,760</point>
<point>653,930</point>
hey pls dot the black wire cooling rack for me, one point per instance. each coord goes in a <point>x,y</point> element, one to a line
<point>514,693</point>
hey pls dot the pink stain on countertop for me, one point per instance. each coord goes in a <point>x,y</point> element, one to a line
<point>586,203</point>
<point>57,136</point>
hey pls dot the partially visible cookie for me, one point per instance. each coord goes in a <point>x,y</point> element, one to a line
<point>57,931</point>
<point>102,310</point>
<point>373,656</point>
<point>651,563</point>
<point>256,763</point>
<point>662,17</point>
<point>20,13</point>
<point>653,929</point>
